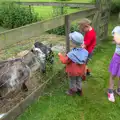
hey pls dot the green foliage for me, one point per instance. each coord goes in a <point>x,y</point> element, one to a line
<point>56,12</point>
<point>115,7</point>
<point>13,15</point>
<point>93,1</point>
<point>59,11</point>
<point>61,30</point>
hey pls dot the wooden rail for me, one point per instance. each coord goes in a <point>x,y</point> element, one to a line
<point>82,14</point>
<point>18,34</point>
<point>13,36</point>
<point>62,4</point>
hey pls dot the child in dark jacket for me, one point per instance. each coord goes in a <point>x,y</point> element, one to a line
<point>75,62</point>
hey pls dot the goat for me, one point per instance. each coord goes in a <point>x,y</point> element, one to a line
<point>14,73</point>
<point>46,54</point>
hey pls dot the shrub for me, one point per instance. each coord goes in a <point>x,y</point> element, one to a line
<point>61,30</point>
<point>13,15</point>
<point>59,11</point>
<point>115,7</point>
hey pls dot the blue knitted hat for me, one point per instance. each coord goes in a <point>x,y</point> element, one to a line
<point>77,38</point>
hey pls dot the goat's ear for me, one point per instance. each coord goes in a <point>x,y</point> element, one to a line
<point>51,45</point>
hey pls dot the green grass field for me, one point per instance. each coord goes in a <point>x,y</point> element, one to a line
<point>83,1</point>
<point>93,105</point>
<point>46,11</point>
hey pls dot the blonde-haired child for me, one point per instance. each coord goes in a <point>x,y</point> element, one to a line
<point>114,67</point>
<point>89,38</point>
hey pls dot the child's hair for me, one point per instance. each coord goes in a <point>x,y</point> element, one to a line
<point>85,21</point>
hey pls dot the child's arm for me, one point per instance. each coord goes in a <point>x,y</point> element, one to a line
<point>64,59</point>
<point>87,40</point>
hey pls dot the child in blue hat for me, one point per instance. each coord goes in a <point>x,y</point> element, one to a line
<point>75,61</point>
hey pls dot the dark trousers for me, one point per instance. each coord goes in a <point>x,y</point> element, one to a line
<point>75,83</point>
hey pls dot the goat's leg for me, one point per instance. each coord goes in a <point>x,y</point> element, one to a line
<point>24,87</point>
<point>26,77</point>
<point>1,96</point>
<point>43,66</point>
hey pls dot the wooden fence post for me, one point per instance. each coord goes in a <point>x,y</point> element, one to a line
<point>30,8</point>
<point>98,4</point>
<point>97,21</point>
<point>62,10</point>
<point>103,7</point>
<point>108,16</point>
<point>67,31</point>
<point>30,12</point>
<point>94,21</point>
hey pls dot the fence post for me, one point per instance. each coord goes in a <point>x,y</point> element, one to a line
<point>97,21</point>
<point>67,31</point>
<point>62,10</point>
<point>103,7</point>
<point>30,12</point>
<point>98,4</point>
<point>108,16</point>
<point>94,21</point>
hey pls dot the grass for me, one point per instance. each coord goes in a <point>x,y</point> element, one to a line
<point>92,106</point>
<point>46,11</point>
<point>81,1</point>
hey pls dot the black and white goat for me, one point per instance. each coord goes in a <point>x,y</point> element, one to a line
<point>14,73</point>
<point>45,53</point>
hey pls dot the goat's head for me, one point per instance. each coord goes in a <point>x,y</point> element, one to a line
<point>44,54</point>
<point>50,55</point>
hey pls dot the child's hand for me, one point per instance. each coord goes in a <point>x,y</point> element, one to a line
<point>59,54</point>
<point>83,46</point>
